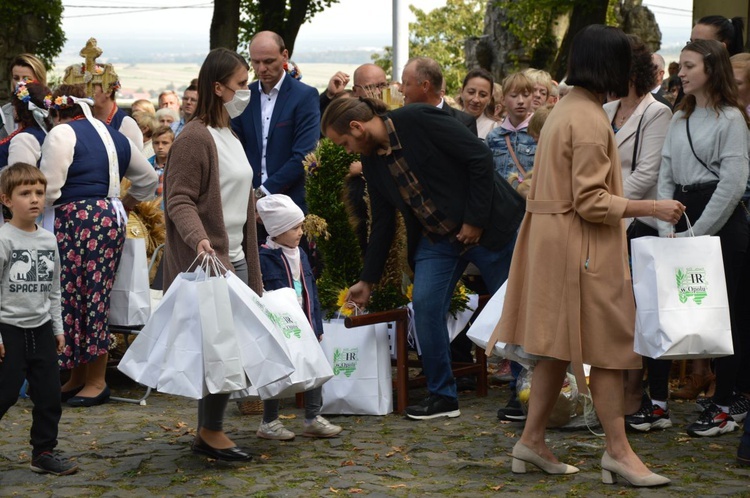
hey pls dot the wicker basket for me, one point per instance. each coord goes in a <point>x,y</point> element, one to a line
<point>250,407</point>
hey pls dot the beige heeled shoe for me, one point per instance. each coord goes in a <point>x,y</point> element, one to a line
<point>522,455</point>
<point>612,468</point>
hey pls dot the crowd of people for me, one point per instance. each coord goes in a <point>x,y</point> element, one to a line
<point>529,180</point>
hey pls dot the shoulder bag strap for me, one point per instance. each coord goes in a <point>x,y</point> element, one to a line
<point>690,141</point>
<point>513,156</point>
<point>637,137</point>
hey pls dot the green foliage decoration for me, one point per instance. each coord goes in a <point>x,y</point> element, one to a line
<point>327,168</point>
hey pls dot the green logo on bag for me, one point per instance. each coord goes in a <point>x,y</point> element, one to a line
<point>691,283</point>
<point>345,360</point>
<point>286,324</point>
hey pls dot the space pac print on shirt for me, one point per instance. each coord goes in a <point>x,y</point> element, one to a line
<point>28,267</point>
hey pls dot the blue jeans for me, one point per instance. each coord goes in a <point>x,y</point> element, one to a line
<point>438,266</point>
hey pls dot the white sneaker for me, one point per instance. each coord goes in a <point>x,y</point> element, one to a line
<point>321,427</point>
<point>274,430</point>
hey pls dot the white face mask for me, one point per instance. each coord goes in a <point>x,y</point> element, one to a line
<point>239,102</point>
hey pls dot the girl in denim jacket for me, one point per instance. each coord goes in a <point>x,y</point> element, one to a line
<point>517,95</point>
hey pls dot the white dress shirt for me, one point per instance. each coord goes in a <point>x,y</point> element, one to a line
<point>267,104</point>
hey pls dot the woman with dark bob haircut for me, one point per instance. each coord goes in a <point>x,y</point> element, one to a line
<point>570,298</point>
<point>640,124</point>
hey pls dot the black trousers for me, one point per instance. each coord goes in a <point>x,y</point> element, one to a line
<point>734,236</point>
<point>31,354</point>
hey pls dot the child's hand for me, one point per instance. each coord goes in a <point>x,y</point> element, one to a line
<point>2,352</point>
<point>60,343</point>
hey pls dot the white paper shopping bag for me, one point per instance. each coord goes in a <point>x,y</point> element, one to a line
<point>130,300</point>
<point>144,359</point>
<point>265,356</point>
<point>484,325</point>
<point>221,352</point>
<point>182,371</point>
<point>361,363</point>
<point>311,369</point>
<point>681,298</point>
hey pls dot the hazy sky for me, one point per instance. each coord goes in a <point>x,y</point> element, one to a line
<point>347,24</point>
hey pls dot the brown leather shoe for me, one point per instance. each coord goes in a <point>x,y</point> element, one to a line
<point>693,386</point>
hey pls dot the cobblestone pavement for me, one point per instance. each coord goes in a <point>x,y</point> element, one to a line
<point>128,450</point>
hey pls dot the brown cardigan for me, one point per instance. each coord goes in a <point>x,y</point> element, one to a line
<point>192,207</point>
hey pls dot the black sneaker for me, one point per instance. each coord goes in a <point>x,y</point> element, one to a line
<point>712,422</point>
<point>52,463</point>
<point>702,403</point>
<point>512,411</point>
<point>640,420</point>
<point>739,407</point>
<point>433,406</point>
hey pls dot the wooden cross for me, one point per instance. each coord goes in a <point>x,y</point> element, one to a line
<point>90,52</point>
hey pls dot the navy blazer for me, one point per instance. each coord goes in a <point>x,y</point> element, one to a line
<point>293,133</point>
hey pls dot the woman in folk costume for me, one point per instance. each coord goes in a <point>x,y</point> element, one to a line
<point>83,160</point>
<point>102,83</point>
<point>24,145</point>
<point>570,298</point>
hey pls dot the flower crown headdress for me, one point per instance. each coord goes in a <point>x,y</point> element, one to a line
<point>22,93</point>
<point>65,101</point>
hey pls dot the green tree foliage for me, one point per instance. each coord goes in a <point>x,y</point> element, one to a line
<point>440,34</point>
<point>31,26</point>
<point>282,17</point>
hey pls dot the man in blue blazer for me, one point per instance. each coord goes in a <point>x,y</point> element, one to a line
<point>281,123</point>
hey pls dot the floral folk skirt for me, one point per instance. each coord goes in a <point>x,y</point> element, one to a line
<point>90,242</point>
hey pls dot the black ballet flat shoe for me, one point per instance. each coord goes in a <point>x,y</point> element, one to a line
<point>102,398</point>
<point>233,454</point>
<point>66,395</point>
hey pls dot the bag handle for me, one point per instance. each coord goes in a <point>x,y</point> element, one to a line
<point>513,156</point>
<point>690,231</point>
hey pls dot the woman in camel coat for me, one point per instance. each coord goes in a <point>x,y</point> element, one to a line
<point>569,297</point>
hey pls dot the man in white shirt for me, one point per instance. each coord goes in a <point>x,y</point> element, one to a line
<point>280,125</point>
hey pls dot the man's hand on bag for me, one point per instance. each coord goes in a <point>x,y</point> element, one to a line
<point>669,210</point>
<point>205,246</point>
<point>359,293</point>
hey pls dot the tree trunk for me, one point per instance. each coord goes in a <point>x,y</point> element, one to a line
<point>274,17</point>
<point>225,24</point>
<point>593,12</point>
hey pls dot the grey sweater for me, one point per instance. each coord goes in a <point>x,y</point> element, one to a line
<point>720,139</point>
<point>30,286</point>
